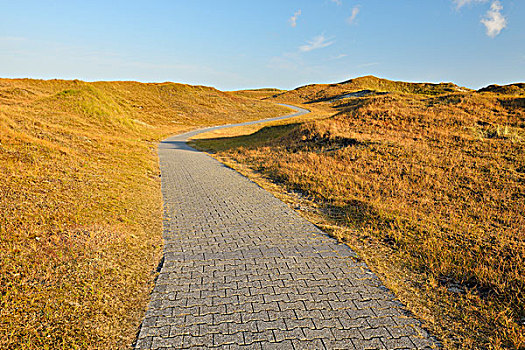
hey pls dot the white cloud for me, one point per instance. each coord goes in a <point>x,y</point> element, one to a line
<point>355,12</point>
<point>293,19</point>
<point>317,42</point>
<point>369,64</point>
<point>461,3</point>
<point>338,2</point>
<point>338,57</point>
<point>494,21</point>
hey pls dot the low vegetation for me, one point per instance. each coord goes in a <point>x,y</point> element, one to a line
<point>258,93</point>
<point>425,181</point>
<point>362,86</point>
<point>80,203</point>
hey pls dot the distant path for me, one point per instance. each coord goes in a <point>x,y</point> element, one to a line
<point>242,270</point>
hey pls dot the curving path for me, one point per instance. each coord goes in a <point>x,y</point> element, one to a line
<point>242,270</point>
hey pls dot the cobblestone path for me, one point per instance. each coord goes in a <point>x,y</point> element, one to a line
<point>242,270</point>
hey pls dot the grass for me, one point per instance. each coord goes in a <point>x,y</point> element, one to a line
<point>259,94</point>
<point>325,92</point>
<point>427,187</point>
<point>80,203</point>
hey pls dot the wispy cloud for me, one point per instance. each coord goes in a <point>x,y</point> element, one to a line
<point>494,21</point>
<point>369,64</point>
<point>283,63</point>
<point>338,2</point>
<point>293,19</point>
<point>338,57</point>
<point>355,12</point>
<point>12,38</point>
<point>461,3</point>
<point>318,42</point>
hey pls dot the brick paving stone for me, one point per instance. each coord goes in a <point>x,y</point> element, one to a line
<point>374,343</point>
<point>284,345</point>
<point>316,344</point>
<point>241,270</point>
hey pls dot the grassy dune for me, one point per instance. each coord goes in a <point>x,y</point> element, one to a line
<point>80,203</point>
<point>325,92</point>
<point>425,181</point>
<point>257,93</point>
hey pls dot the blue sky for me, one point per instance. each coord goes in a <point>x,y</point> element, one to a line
<point>272,43</point>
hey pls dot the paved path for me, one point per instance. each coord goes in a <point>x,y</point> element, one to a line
<point>242,270</point>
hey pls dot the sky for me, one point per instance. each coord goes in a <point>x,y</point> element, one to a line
<point>272,43</point>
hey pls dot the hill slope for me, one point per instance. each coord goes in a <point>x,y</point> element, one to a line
<point>326,92</point>
<point>510,89</point>
<point>80,202</point>
<point>428,185</point>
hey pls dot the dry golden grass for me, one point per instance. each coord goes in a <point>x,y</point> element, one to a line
<point>259,94</point>
<point>326,92</point>
<point>430,191</point>
<point>80,203</point>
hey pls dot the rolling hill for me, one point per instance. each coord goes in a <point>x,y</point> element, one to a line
<point>326,92</point>
<point>80,202</point>
<point>425,181</point>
